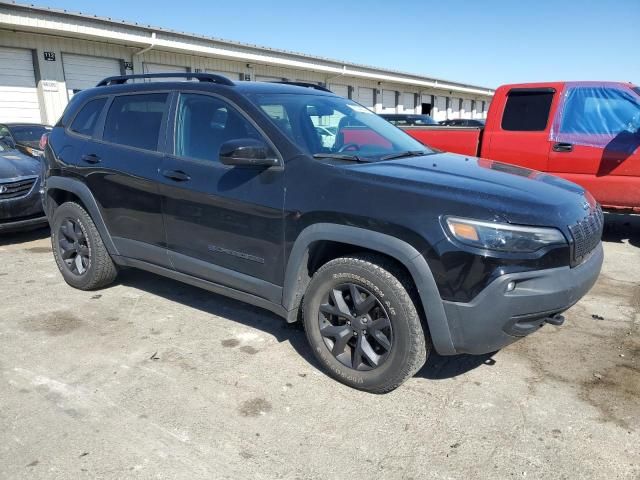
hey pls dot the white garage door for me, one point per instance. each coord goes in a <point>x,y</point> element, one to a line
<point>84,71</point>
<point>454,106</point>
<point>230,75</point>
<point>408,102</point>
<point>18,94</point>
<point>388,101</point>
<point>440,109</point>
<point>466,109</point>
<point>265,78</point>
<point>365,96</point>
<point>341,90</point>
<point>159,68</point>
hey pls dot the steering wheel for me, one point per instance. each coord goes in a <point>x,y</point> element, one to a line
<point>353,147</point>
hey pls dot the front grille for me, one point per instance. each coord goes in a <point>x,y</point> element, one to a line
<point>16,188</point>
<point>586,234</point>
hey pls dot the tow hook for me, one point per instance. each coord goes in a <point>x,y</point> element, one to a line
<point>556,320</point>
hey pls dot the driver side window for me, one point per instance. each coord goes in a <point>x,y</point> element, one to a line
<point>204,123</point>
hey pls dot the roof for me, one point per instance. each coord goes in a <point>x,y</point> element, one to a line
<point>239,87</point>
<point>235,44</point>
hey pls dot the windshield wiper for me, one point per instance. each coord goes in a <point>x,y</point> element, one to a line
<point>340,156</point>
<point>408,153</point>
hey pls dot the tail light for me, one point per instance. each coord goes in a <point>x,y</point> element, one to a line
<point>43,141</point>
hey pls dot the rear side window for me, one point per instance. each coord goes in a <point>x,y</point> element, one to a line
<point>527,110</point>
<point>87,117</point>
<point>134,120</point>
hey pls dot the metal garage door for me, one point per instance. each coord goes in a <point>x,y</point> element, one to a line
<point>234,77</point>
<point>466,109</point>
<point>454,106</point>
<point>159,68</point>
<point>341,90</point>
<point>18,93</point>
<point>365,96</point>
<point>84,71</point>
<point>408,102</point>
<point>388,101</point>
<point>440,109</point>
<point>265,78</point>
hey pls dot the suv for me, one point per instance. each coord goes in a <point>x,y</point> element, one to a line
<point>381,246</point>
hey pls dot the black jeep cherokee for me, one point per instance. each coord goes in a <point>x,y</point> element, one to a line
<point>383,247</point>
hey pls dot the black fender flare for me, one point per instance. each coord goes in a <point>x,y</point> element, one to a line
<point>80,190</point>
<point>380,242</point>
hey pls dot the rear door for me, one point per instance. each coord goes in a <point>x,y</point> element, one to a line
<point>121,166</point>
<point>520,132</point>
<point>224,224</point>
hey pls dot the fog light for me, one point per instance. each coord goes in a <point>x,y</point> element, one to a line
<point>511,286</point>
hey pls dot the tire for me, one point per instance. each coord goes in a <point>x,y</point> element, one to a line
<point>394,352</point>
<point>78,249</point>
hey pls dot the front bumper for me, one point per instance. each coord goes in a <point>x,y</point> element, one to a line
<point>495,318</point>
<point>23,212</point>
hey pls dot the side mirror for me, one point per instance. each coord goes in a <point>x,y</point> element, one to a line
<point>247,152</point>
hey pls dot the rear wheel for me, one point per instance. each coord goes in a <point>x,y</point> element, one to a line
<point>78,249</point>
<point>362,323</point>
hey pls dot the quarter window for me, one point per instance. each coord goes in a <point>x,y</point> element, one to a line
<point>204,123</point>
<point>527,110</point>
<point>134,120</point>
<point>86,119</point>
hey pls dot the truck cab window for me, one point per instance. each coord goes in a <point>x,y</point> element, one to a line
<point>527,110</point>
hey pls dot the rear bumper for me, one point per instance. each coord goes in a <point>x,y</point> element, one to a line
<point>496,318</point>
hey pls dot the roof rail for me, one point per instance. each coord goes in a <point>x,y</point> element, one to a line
<point>305,84</point>
<point>203,77</point>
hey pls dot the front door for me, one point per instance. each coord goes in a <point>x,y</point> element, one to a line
<point>224,224</point>
<point>596,140</point>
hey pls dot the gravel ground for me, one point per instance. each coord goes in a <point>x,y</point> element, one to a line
<point>154,379</point>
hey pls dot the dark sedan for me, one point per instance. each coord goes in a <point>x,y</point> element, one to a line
<point>20,198</point>
<point>463,122</point>
<point>23,136</point>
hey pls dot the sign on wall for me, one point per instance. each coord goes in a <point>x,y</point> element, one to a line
<point>50,56</point>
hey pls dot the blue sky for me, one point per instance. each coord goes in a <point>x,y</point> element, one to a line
<point>481,42</point>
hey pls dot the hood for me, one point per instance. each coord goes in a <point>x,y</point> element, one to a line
<point>485,189</point>
<point>15,164</point>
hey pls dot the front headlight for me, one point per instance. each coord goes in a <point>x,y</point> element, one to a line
<point>502,237</point>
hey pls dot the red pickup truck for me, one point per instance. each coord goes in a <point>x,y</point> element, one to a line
<point>586,132</point>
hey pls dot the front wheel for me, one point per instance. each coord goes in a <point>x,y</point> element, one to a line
<point>362,323</point>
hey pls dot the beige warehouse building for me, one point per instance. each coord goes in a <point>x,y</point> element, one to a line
<point>47,55</point>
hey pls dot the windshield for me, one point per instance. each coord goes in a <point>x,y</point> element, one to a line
<point>322,124</point>
<point>29,133</point>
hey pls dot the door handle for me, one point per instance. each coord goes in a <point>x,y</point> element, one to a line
<point>176,175</point>
<point>562,147</point>
<point>91,158</point>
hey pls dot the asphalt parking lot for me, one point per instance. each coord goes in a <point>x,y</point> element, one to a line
<point>155,379</point>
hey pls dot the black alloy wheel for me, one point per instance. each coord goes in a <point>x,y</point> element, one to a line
<point>74,247</point>
<point>355,327</point>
